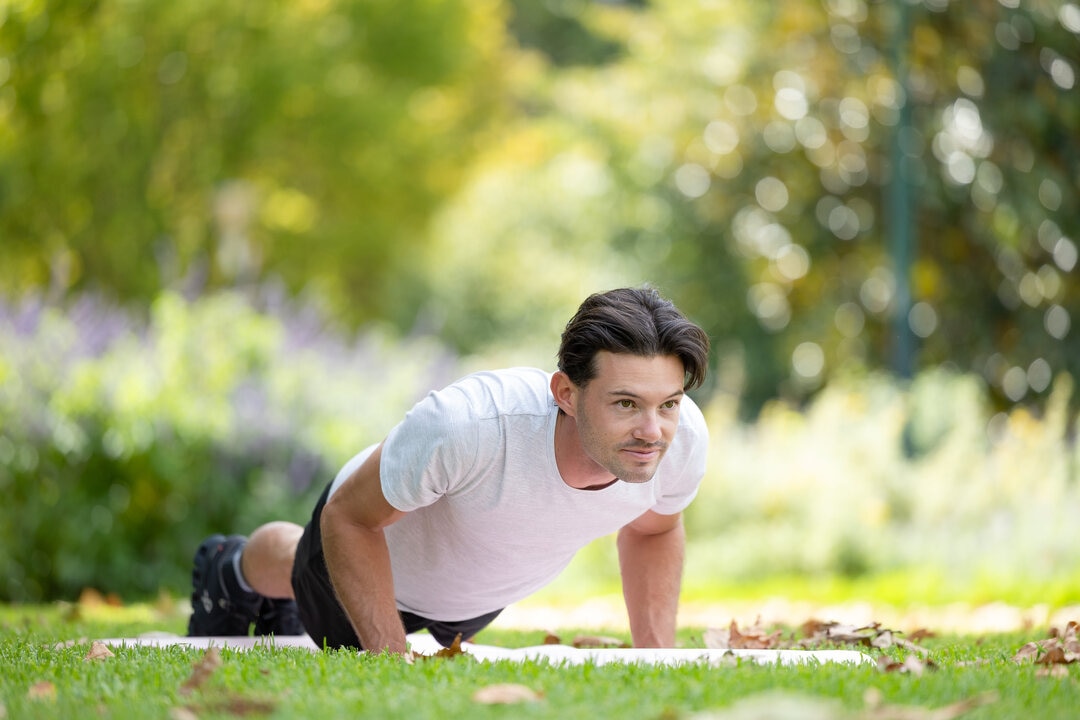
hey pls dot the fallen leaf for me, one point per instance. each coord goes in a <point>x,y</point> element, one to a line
<point>910,665</point>
<point>921,634</point>
<point>598,641</point>
<point>1061,648</point>
<point>717,639</point>
<point>453,651</point>
<point>552,639</point>
<point>814,627</point>
<point>505,694</point>
<point>816,634</point>
<point>42,690</point>
<point>99,651</point>
<point>1029,651</point>
<point>201,671</point>
<point>866,636</point>
<point>753,638</point>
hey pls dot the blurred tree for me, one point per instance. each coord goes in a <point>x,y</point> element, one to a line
<point>554,28</point>
<point>743,156</point>
<point>738,154</point>
<point>785,166</point>
<point>142,142</point>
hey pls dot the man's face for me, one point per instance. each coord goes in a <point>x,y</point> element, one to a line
<point>627,415</point>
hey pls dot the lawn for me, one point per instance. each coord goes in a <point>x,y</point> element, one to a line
<point>44,652</point>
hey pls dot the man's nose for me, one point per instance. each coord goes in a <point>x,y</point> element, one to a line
<point>649,428</point>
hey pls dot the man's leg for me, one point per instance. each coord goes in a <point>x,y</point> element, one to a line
<point>238,582</point>
<point>267,560</point>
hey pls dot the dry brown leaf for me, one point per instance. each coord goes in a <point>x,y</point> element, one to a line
<point>453,651</point>
<point>598,641</point>
<point>910,665</point>
<point>99,651</point>
<point>1061,648</point>
<point>1028,652</point>
<point>753,638</point>
<point>816,633</point>
<point>201,671</point>
<point>552,639</point>
<point>505,694</point>
<point>814,627</point>
<point>42,690</point>
<point>717,639</point>
<point>833,633</point>
<point>828,633</point>
<point>921,634</point>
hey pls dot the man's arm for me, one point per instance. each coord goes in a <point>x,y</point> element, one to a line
<point>651,550</point>
<point>358,560</point>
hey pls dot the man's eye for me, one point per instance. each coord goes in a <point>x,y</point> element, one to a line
<point>670,404</point>
<point>626,403</point>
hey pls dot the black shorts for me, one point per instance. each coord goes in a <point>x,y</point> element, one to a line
<point>324,618</point>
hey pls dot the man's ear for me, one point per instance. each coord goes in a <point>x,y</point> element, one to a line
<point>565,392</point>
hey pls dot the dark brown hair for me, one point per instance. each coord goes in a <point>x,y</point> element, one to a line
<point>637,321</point>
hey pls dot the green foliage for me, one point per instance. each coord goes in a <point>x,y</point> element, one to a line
<point>123,445</point>
<point>142,141</point>
<point>873,478</point>
<point>412,164</point>
<point>745,157</point>
<point>555,29</point>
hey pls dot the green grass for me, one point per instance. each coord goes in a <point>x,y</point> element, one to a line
<point>287,683</point>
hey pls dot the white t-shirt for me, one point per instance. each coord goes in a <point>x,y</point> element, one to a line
<point>489,519</point>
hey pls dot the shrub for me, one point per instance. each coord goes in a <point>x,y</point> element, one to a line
<point>125,441</point>
<point>874,476</point>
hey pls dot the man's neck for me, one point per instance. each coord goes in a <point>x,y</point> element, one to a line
<point>577,469</point>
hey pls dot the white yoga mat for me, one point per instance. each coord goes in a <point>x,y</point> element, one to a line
<point>555,654</point>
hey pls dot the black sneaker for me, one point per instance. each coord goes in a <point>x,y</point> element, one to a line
<point>278,616</point>
<point>218,606</point>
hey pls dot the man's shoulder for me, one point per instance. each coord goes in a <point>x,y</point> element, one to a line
<point>692,421</point>
<point>507,390</point>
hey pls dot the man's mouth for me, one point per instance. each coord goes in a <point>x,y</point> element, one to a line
<point>646,453</point>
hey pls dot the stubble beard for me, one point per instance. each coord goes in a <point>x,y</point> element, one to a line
<point>641,474</point>
<point>612,460</point>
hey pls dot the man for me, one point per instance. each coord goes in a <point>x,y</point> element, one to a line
<point>484,492</point>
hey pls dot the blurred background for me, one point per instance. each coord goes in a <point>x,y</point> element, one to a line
<point>238,240</point>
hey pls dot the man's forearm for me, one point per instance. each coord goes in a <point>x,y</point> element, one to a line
<point>359,565</point>
<point>651,567</point>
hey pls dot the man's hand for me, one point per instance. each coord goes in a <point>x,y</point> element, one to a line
<point>358,559</point>
<point>651,551</point>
